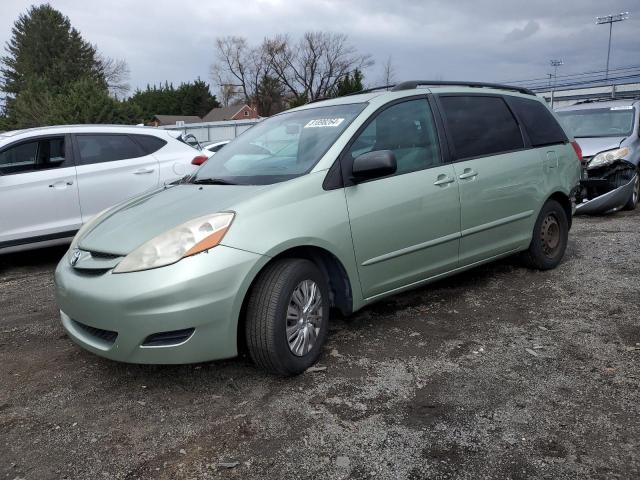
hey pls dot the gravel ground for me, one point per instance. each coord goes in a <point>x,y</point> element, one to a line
<point>500,372</point>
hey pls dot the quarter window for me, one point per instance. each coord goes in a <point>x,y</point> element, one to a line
<point>40,154</point>
<point>107,148</point>
<point>408,130</point>
<point>480,125</point>
<point>541,126</point>
<point>149,143</point>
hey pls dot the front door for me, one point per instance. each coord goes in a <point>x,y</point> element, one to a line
<point>38,191</point>
<point>112,168</point>
<point>405,227</point>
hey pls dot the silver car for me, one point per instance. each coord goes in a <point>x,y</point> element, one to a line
<point>53,179</point>
<point>607,132</point>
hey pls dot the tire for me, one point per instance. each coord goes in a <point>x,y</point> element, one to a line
<point>632,203</point>
<point>550,236</point>
<point>270,317</point>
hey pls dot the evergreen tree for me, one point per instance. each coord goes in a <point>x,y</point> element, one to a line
<point>349,84</point>
<point>44,45</point>
<point>188,99</point>
<point>269,96</point>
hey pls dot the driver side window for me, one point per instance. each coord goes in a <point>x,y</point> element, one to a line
<point>408,130</point>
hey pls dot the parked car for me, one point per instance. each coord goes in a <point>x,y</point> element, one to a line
<point>54,179</point>
<point>209,149</point>
<point>607,132</point>
<point>335,204</point>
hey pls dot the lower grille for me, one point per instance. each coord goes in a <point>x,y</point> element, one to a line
<point>166,339</point>
<point>105,335</point>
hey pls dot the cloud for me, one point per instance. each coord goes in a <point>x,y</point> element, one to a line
<point>521,33</point>
<point>453,40</point>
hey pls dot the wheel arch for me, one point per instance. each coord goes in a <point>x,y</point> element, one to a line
<point>564,200</point>
<point>340,284</point>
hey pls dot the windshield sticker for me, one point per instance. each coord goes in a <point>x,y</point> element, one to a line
<point>627,107</point>
<point>324,122</point>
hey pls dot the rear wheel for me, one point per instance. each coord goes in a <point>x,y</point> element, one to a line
<point>287,316</point>
<point>632,203</point>
<point>550,236</point>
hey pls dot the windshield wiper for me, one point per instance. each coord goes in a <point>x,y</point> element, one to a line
<point>212,181</point>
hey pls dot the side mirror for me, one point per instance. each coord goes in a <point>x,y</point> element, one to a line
<point>374,165</point>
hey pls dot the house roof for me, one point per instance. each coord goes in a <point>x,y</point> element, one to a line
<point>222,113</point>
<point>172,119</point>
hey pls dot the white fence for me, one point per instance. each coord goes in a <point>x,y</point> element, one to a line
<point>214,131</point>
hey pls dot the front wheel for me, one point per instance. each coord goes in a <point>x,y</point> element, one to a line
<point>632,203</point>
<point>550,236</point>
<point>287,316</point>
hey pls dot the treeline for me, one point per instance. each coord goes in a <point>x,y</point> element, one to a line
<point>50,75</point>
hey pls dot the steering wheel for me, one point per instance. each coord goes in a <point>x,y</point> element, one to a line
<point>256,150</point>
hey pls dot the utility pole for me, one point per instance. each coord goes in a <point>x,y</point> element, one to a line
<point>611,19</point>
<point>555,64</point>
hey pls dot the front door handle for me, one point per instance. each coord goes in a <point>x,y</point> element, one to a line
<point>143,171</point>
<point>63,184</point>
<point>444,180</point>
<point>468,173</point>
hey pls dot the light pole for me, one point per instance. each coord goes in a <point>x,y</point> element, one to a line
<point>555,64</point>
<point>611,19</point>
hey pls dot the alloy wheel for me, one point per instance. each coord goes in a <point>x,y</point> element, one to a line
<point>304,317</point>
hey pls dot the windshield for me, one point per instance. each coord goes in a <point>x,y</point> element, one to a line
<point>280,148</point>
<point>599,122</point>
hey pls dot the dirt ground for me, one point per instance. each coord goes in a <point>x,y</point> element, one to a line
<point>500,372</point>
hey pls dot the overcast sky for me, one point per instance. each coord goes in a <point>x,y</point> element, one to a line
<point>492,40</point>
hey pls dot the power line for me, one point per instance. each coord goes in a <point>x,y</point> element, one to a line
<point>629,67</point>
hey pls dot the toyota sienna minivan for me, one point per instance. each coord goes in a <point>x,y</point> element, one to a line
<point>333,205</point>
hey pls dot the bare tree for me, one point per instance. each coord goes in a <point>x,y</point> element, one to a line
<point>238,68</point>
<point>388,72</point>
<point>311,68</point>
<point>117,74</point>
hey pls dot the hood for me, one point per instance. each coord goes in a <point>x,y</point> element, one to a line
<point>592,145</point>
<point>143,218</point>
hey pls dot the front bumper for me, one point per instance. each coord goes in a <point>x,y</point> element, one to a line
<point>203,293</point>
<point>606,189</point>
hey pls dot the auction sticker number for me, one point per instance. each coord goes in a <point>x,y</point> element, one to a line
<point>324,122</point>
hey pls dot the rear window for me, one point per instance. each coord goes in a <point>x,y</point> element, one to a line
<point>480,125</point>
<point>539,123</point>
<point>107,148</point>
<point>149,143</point>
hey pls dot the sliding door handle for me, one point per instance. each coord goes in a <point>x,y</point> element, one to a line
<point>467,173</point>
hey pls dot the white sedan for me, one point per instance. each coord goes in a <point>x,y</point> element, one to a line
<point>53,179</point>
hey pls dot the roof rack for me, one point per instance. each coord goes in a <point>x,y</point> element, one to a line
<point>437,83</point>
<point>368,90</point>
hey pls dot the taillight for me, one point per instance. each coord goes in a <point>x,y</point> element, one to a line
<point>200,159</point>
<point>577,149</point>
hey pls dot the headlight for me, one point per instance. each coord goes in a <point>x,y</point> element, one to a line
<point>86,227</point>
<point>606,158</point>
<point>191,237</point>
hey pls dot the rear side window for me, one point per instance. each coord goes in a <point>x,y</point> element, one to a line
<point>149,143</point>
<point>480,125</point>
<point>33,155</point>
<point>107,148</point>
<point>540,125</point>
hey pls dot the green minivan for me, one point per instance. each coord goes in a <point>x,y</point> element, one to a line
<point>333,205</point>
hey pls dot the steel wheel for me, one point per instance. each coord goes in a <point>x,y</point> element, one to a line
<point>550,235</point>
<point>304,317</point>
<point>636,191</point>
